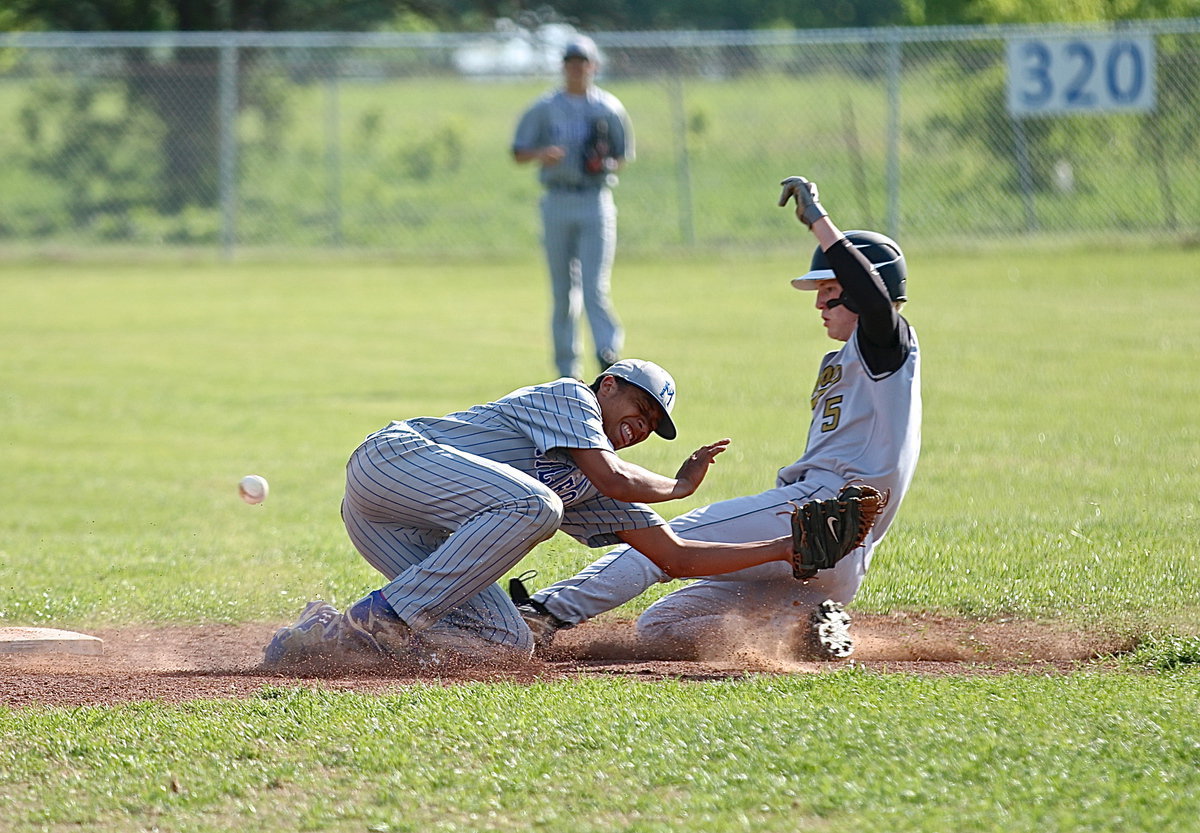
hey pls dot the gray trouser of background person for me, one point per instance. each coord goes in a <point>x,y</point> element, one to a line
<point>579,233</point>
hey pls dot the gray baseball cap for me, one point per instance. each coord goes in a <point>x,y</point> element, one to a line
<point>581,46</point>
<point>653,380</point>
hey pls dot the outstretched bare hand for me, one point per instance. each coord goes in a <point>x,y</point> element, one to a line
<point>695,467</point>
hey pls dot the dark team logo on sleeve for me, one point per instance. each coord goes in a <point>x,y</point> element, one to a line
<point>564,479</point>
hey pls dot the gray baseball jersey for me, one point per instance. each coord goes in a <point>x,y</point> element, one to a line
<point>530,429</point>
<point>864,427</point>
<point>579,218</point>
<point>445,506</point>
<point>559,118</point>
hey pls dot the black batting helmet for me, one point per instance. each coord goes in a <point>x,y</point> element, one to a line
<point>884,254</point>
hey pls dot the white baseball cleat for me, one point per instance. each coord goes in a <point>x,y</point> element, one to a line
<point>829,631</point>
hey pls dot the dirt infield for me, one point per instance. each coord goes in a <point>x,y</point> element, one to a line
<point>176,664</point>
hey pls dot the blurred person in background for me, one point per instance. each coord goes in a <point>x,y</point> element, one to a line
<point>580,135</point>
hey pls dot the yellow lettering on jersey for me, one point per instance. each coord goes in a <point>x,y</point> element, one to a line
<point>830,376</point>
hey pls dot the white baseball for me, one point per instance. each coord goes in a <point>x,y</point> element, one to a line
<point>253,488</point>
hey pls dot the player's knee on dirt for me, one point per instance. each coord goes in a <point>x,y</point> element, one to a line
<point>676,630</point>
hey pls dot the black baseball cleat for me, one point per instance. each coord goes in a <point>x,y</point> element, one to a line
<point>829,631</point>
<point>540,621</point>
<point>607,359</point>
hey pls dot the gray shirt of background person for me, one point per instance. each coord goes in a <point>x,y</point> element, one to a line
<point>560,118</point>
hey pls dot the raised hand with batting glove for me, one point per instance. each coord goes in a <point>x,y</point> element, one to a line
<point>808,206</point>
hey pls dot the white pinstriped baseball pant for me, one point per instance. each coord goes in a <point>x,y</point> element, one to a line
<point>444,526</point>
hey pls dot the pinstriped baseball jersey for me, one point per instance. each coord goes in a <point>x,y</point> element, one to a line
<point>445,506</point>
<point>864,427</point>
<point>530,429</point>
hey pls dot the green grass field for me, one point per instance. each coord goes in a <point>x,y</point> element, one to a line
<point>1058,479</point>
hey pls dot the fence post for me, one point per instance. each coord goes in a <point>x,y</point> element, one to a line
<point>1024,173</point>
<point>893,139</point>
<point>227,122</point>
<point>683,173</point>
<point>333,158</point>
<point>1160,168</point>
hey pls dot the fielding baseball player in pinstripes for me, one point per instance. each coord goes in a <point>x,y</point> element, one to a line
<point>579,217</point>
<point>866,426</point>
<point>444,507</point>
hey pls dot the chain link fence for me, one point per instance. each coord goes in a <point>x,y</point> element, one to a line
<point>400,143</point>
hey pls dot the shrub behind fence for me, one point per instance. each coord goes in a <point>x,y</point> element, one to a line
<point>400,143</point>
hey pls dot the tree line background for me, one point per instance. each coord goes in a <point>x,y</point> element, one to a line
<point>479,15</point>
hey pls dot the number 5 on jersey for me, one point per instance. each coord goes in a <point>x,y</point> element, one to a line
<point>832,412</point>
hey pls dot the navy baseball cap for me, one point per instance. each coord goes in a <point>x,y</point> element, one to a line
<point>653,380</point>
<point>581,47</point>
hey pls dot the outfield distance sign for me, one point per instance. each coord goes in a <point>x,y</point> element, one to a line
<point>1081,74</point>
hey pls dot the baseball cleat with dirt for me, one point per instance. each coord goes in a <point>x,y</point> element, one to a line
<point>303,639</point>
<point>542,623</point>
<point>829,631</point>
<point>375,620</point>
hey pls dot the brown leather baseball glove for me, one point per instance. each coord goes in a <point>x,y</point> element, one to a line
<point>825,531</point>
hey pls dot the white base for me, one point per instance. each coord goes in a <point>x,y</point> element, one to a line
<point>48,641</point>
